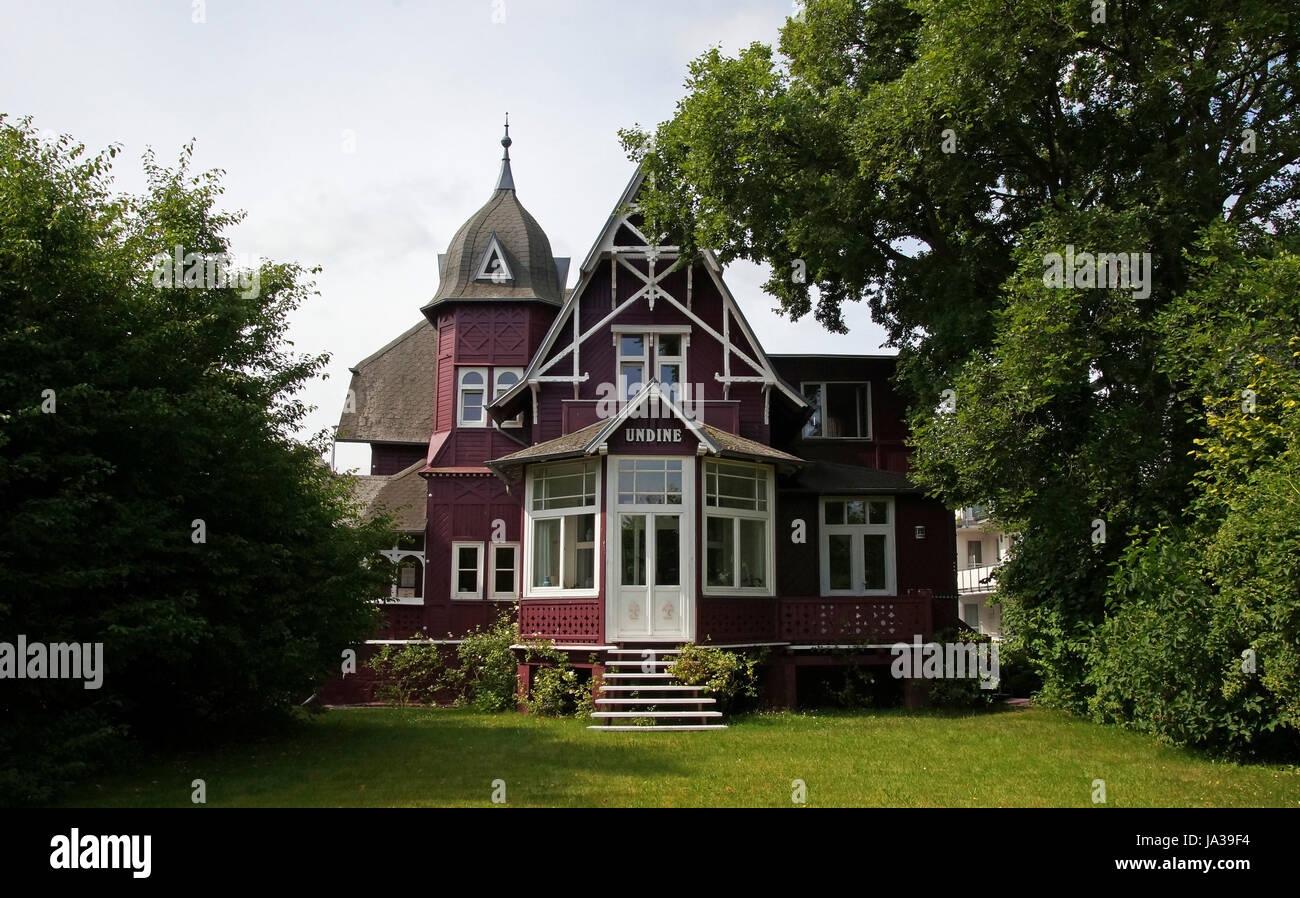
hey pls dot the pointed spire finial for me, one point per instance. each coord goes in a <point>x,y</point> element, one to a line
<point>506,181</point>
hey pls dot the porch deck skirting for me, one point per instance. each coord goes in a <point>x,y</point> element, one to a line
<point>817,620</point>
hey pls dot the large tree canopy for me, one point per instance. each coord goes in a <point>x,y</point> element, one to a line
<point>153,496</point>
<point>933,158</point>
<point>902,150</point>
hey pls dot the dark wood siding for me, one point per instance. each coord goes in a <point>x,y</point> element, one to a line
<point>390,458</point>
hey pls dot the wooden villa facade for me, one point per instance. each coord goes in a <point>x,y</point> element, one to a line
<point>626,463</point>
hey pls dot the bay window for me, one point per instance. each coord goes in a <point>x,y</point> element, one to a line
<point>562,511</point>
<point>857,546</point>
<point>738,532</point>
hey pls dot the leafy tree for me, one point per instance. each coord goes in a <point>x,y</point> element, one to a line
<point>927,156</point>
<point>1203,643</point>
<point>129,413</point>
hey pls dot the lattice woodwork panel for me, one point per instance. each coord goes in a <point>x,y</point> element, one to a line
<point>883,620</point>
<point>571,620</point>
<point>403,622</point>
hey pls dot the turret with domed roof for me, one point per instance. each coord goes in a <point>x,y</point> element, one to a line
<point>500,254</point>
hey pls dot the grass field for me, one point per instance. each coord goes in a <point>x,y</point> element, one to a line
<point>433,757</point>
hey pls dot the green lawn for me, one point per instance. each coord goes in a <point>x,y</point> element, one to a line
<point>433,757</point>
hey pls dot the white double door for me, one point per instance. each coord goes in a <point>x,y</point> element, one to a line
<point>651,546</point>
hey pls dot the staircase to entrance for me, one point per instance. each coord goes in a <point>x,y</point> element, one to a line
<point>640,692</point>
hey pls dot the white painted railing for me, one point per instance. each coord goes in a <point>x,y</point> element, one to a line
<point>969,580</point>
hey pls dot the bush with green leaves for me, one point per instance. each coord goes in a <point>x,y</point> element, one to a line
<point>154,494</point>
<point>408,674</point>
<point>731,677</point>
<point>1201,642</point>
<point>960,693</point>
<point>486,678</point>
<point>556,692</point>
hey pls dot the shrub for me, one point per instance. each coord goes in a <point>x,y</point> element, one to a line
<point>411,673</point>
<point>487,678</point>
<point>960,693</point>
<point>731,677</point>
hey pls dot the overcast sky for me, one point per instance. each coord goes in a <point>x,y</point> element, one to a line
<point>277,93</point>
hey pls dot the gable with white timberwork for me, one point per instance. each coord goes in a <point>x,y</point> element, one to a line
<point>641,314</point>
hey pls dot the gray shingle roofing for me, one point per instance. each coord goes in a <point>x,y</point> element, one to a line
<point>834,477</point>
<point>571,444</point>
<point>730,443</point>
<point>393,391</point>
<point>527,250</point>
<point>403,494</point>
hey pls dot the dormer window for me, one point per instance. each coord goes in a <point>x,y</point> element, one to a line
<point>494,269</point>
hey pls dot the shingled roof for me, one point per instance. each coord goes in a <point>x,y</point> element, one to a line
<point>403,494</point>
<point>392,391</point>
<point>534,274</point>
<point>734,444</point>
<point>834,477</point>
<point>573,444</point>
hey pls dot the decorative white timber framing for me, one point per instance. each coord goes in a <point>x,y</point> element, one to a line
<point>726,353</point>
<point>651,290</point>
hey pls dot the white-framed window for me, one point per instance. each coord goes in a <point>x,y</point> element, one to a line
<point>503,571</point>
<point>471,396</point>
<point>670,360</point>
<point>649,481</point>
<point>562,522</point>
<point>633,357</point>
<point>659,355</point>
<point>407,556</point>
<point>466,570</point>
<point>841,410</point>
<point>738,529</point>
<point>856,536</point>
<point>502,380</point>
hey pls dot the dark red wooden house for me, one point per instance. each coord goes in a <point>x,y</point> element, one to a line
<point>625,462</point>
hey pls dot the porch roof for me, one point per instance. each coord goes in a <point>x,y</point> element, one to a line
<point>402,494</point>
<point>835,477</point>
<point>588,441</point>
